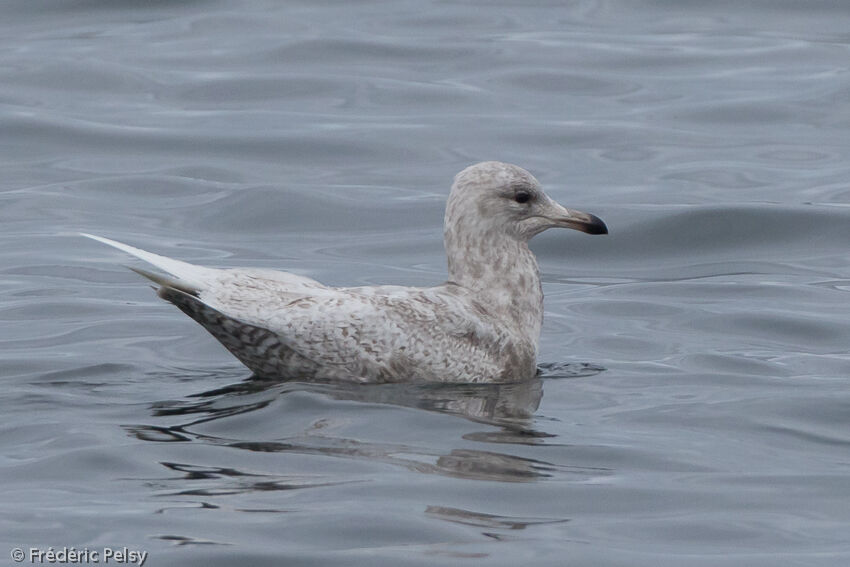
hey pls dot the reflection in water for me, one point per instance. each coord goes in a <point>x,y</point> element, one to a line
<point>490,522</point>
<point>183,540</point>
<point>551,370</point>
<point>508,405</point>
<point>480,520</point>
<point>506,409</point>
<point>235,481</point>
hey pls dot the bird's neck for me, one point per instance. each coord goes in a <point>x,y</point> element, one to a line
<point>503,275</point>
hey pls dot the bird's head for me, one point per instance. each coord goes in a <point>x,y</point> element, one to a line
<point>495,197</point>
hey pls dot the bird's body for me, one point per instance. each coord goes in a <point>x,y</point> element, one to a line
<point>483,325</point>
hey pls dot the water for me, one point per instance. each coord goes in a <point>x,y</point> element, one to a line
<point>693,408</point>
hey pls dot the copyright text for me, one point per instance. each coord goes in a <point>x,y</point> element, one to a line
<point>84,556</point>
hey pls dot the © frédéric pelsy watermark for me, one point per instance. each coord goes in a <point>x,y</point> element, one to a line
<point>80,556</point>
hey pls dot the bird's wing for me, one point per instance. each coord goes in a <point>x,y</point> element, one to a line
<point>185,276</point>
<point>197,280</point>
<point>386,331</point>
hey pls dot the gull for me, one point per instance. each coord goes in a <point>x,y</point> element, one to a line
<point>482,325</point>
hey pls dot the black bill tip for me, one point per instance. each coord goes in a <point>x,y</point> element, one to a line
<point>594,225</point>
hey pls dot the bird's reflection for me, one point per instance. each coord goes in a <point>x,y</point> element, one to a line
<point>506,411</point>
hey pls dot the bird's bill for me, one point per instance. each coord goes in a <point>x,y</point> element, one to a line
<point>577,220</point>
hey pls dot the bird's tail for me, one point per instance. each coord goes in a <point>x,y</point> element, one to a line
<point>189,277</point>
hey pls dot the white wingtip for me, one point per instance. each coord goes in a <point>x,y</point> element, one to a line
<point>107,241</point>
<point>189,276</point>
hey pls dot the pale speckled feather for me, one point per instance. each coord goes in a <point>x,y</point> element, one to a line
<point>483,325</point>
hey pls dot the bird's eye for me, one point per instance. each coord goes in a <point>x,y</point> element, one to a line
<point>522,197</point>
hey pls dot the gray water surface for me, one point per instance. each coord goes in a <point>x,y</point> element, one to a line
<point>693,406</point>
